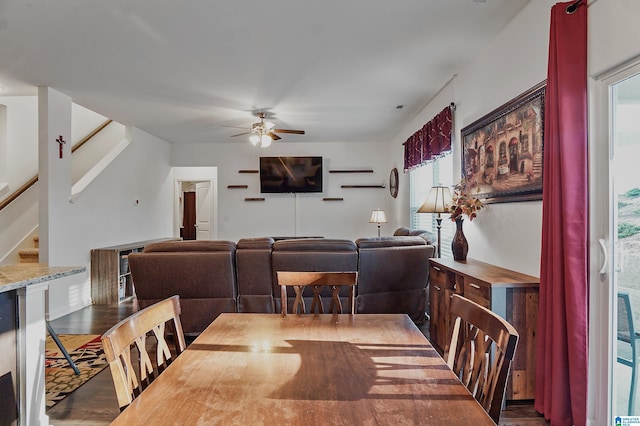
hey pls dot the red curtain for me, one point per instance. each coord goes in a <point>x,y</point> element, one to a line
<point>562,341</point>
<point>431,141</point>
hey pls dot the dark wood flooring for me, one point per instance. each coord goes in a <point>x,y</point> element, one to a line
<point>95,402</point>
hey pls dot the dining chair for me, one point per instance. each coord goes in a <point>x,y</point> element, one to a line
<point>133,338</point>
<point>480,353</point>
<point>316,280</point>
<point>628,345</point>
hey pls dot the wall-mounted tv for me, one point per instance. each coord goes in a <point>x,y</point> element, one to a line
<point>290,174</point>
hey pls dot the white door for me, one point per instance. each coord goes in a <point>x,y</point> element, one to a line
<point>203,211</point>
<point>615,230</point>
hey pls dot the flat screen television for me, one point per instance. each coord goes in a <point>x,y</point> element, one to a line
<point>290,174</point>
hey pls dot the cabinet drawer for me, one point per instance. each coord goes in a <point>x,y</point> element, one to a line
<point>477,291</point>
<point>437,276</point>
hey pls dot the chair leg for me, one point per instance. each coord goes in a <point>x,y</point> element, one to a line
<point>632,390</point>
<point>283,300</point>
<point>55,338</point>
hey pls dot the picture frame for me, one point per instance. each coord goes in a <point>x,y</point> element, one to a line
<point>502,151</point>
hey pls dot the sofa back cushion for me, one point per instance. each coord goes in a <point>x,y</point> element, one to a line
<point>254,276</point>
<point>315,255</point>
<point>202,273</point>
<point>195,245</point>
<point>392,275</point>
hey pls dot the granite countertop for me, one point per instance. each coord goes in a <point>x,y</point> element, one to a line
<point>22,275</point>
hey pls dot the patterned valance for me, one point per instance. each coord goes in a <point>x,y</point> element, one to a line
<point>430,142</point>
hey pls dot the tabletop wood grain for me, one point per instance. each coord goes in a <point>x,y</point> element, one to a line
<point>307,370</point>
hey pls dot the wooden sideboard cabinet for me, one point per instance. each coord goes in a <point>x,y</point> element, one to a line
<point>111,281</point>
<point>510,294</point>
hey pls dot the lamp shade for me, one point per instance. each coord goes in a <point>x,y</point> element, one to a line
<point>438,201</point>
<point>378,216</point>
<point>265,140</point>
<point>254,139</point>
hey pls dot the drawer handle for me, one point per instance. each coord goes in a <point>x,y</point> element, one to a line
<point>436,268</point>
<point>476,286</point>
<point>437,287</point>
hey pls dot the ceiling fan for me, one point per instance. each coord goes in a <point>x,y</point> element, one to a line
<point>264,132</point>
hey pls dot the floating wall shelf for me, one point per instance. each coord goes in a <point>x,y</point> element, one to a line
<point>248,171</point>
<point>237,186</point>
<point>333,199</point>
<point>362,186</point>
<point>254,199</point>
<point>352,171</point>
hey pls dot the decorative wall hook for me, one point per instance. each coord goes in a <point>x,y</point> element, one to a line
<point>61,142</point>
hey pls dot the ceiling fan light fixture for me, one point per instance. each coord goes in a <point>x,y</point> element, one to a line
<point>254,139</point>
<point>266,141</point>
<point>269,125</point>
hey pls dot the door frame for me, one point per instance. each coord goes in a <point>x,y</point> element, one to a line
<point>193,174</point>
<point>603,323</point>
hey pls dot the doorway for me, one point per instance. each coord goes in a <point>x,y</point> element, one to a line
<point>615,259</point>
<point>195,206</point>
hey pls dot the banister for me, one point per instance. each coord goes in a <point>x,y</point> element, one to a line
<point>18,192</point>
<point>90,135</point>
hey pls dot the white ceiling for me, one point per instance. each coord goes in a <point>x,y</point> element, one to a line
<point>182,70</point>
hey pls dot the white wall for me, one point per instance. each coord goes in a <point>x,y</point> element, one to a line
<point>105,214</point>
<point>22,139</point>
<point>509,234</point>
<point>505,234</point>
<point>301,214</point>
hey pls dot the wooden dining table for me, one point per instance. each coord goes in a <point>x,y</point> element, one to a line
<point>263,369</point>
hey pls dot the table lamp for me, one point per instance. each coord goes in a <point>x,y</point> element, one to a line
<point>378,216</point>
<point>438,201</point>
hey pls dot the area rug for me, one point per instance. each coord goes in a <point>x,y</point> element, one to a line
<point>60,379</point>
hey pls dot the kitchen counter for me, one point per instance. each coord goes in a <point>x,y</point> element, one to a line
<point>23,289</point>
<point>13,277</point>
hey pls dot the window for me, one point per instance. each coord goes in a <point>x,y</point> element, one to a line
<point>421,179</point>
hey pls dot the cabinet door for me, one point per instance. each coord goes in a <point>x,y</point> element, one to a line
<point>439,324</point>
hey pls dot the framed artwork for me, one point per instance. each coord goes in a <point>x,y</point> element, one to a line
<point>502,151</point>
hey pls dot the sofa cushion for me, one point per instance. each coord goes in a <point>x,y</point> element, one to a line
<point>202,273</point>
<point>255,243</point>
<point>402,231</point>
<point>254,276</point>
<point>313,254</point>
<point>314,244</point>
<point>196,245</point>
<point>392,275</point>
<point>378,242</point>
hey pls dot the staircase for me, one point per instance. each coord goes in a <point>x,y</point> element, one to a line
<point>31,255</point>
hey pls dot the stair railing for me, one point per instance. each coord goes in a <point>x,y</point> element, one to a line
<point>18,192</point>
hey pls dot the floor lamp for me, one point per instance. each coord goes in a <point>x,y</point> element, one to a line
<point>378,216</point>
<point>438,201</point>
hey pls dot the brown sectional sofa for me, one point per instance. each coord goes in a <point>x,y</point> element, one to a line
<point>212,277</point>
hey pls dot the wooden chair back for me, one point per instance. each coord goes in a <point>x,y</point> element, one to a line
<point>482,347</point>
<point>131,376</point>
<point>316,280</point>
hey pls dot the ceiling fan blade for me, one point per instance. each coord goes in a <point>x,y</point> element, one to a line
<point>240,134</point>
<point>274,136</point>
<point>235,127</point>
<point>295,132</point>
